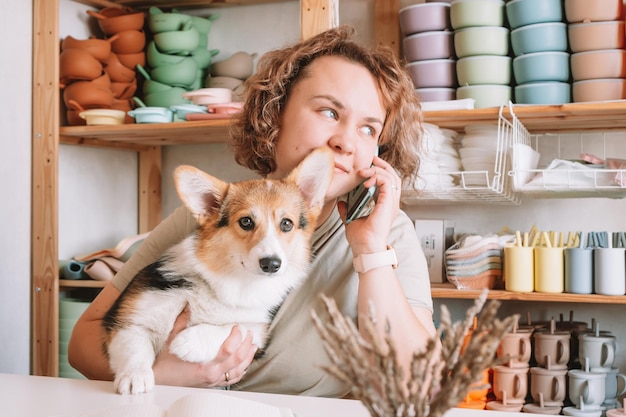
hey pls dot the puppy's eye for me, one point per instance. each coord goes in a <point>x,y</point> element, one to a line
<point>286,225</point>
<point>246,223</point>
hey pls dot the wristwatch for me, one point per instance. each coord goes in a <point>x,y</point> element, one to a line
<point>368,261</point>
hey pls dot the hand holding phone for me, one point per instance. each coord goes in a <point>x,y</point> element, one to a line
<point>358,200</point>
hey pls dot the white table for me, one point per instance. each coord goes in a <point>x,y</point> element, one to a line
<point>36,396</point>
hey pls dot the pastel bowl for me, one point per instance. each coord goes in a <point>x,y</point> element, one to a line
<point>541,66</point>
<point>481,40</point>
<point>99,48</point>
<point>424,17</point>
<point>102,117</point>
<point>485,95</point>
<point>592,10</point>
<point>205,96</point>
<point>596,35</point>
<point>436,94</point>
<point>181,74</point>
<point>599,90</point>
<point>159,21</point>
<point>114,19</point>
<point>433,73</point>
<point>605,63</point>
<point>181,42</point>
<point>167,98</point>
<point>468,13</point>
<point>152,115</point>
<point>543,93</point>
<point>428,45</point>
<point>484,69</point>
<point>527,12</point>
<point>539,37</point>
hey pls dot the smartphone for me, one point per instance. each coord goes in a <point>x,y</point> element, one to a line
<point>358,200</point>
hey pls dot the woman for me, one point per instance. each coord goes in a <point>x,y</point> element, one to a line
<point>325,91</point>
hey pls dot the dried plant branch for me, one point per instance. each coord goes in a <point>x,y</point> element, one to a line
<point>440,376</point>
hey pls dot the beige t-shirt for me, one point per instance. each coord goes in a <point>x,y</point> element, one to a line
<point>293,360</point>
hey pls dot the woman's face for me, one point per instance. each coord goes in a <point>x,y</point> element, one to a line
<point>335,103</point>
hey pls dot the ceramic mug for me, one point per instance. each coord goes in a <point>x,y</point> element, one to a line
<point>548,386</point>
<point>578,270</point>
<point>609,271</point>
<point>586,389</point>
<point>612,388</point>
<point>552,350</point>
<point>598,351</point>
<point>518,270</point>
<point>516,346</point>
<point>549,273</point>
<point>510,385</point>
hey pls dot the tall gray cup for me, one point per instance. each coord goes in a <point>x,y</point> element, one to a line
<point>578,270</point>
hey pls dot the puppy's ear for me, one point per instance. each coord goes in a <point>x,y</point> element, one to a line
<point>199,191</point>
<point>313,176</point>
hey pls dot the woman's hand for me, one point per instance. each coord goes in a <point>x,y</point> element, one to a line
<point>369,234</point>
<point>226,369</point>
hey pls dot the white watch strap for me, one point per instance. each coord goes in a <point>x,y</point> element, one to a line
<point>369,261</point>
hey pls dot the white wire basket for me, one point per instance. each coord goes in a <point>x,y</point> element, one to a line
<point>561,171</point>
<point>493,186</point>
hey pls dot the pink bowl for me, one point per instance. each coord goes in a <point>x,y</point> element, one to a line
<point>433,73</point>
<point>424,17</point>
<point>605,63</point>
<point>428,45</point>
<point>436,94</point>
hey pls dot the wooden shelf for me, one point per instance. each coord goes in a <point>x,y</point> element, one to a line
<point>565,117</point>
<point>77,283</point>
<point>180,4</point>
<point>540,119</point>
<point>205,131</point>
<point>451,292</point>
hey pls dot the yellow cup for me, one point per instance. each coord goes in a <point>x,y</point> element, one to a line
<point>519,269</point>
<point>549,269</point>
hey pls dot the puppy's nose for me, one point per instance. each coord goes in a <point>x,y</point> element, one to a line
<point>270,264</point>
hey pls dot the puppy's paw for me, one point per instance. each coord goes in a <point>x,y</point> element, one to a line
<point>190,346</point>
<point>135,381</point>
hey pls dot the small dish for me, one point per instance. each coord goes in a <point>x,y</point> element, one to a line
<point>209,96</point>
<point>152,115</point>
<point>102,117</point>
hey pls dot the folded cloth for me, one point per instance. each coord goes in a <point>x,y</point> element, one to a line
<point>103,269</point>
<point>122,251</point>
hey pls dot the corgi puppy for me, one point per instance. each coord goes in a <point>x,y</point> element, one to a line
<point>252,247</point>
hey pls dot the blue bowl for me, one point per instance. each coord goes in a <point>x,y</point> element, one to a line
<point>541,66</point>
<point>543,93</point>
<point>539,37</point>
<point>528,12</point>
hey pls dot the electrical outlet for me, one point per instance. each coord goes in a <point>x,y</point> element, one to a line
<point>431,236</point>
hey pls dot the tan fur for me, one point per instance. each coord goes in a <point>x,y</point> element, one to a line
<point>251,248</point>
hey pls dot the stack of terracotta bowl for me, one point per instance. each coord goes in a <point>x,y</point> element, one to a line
<point>177,57</point>
<point>427,47</point>
<point>598,61</point>
<point>123,27</point>
<point>481,42</point>
<point>539,42</point>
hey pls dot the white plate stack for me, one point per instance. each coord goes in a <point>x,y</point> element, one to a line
<point>478,154</point>
<point>439,159</point>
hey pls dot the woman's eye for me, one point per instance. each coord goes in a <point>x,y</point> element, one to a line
<point>246,223</point>
<point>330,113</point>
<point>286,225</point>
<point>368,130</point>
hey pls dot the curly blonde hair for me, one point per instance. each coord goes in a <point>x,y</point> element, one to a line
<point>256,128</point>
